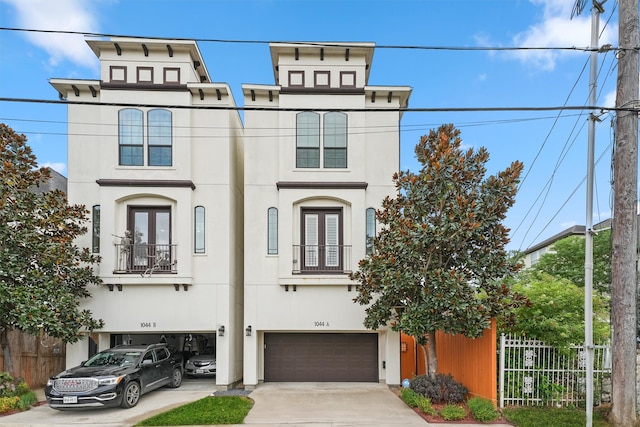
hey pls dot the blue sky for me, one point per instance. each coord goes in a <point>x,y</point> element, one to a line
<point>551,144</point>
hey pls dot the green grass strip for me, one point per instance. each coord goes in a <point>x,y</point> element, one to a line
<point>209,410</point>
<point>557,417</point>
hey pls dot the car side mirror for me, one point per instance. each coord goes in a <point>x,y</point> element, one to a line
<point>147,362</point>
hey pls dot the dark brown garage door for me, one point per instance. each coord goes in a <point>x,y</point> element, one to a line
<point>321,357</point>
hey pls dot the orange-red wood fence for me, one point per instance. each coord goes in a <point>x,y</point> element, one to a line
<point>472,362</point>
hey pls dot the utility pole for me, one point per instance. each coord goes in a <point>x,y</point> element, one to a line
<point>596,10</point>
<point>624,234</point>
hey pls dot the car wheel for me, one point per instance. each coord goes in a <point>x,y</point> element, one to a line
<point>176,378</point>
<point>131,395</point>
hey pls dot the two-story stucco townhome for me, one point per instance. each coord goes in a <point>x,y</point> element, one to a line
<point>321,147</point>
<point>156,153</point>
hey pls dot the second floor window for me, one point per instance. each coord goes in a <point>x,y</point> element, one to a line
<point>334,140</point>
<point>198,237</point>
<point>272,231</point>
<point>95,235</point>
<point>371,229</point>
<point>131,137</point>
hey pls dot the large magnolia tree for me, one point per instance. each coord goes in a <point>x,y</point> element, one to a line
<point>43,274</point>
<point>439,261</point>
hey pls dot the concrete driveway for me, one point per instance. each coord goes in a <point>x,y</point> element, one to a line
<point>329,404</point>
<point>150,404</point>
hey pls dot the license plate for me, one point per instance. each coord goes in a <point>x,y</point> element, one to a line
<point>199,371</point>
<point>69,399</point>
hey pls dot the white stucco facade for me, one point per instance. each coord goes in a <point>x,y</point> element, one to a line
<point>243,234</point>
<point>280,296</point>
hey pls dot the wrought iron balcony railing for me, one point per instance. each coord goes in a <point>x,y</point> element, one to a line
<point>321,259</point>
<point>145,259</point>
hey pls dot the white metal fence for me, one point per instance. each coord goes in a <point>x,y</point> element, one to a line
<point>533,373</point>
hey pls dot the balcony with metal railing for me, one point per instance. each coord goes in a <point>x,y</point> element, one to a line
<point>321,259</point>
<point>145,259</point>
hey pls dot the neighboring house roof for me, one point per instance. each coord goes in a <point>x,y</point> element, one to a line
<point>576,230</point>
<point>572,231</point>
<point>56,182</point>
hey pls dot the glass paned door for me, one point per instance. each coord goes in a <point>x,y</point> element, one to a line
<point>322,244</point>
<point>151,229</point>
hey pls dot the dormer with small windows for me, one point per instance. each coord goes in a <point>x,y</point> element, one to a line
<point>339,67</point>
<point>148,63</point>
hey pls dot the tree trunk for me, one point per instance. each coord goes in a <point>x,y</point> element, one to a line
<point>432,359</point>
<point>6,352</point>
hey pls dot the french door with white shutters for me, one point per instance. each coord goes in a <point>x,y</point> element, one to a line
<point>321,240</point>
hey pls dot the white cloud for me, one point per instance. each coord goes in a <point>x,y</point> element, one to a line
<point>609,99</point>
<point>58,167</point>
<point>557,29</point>
<point>67,15</point>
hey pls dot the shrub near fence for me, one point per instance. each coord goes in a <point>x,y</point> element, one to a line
<point>533,373</point>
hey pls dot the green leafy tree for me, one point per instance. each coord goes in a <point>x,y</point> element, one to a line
<point>555,314</point>
<point>566,260</point>
<point>440,259</point>
<point>43,274</point>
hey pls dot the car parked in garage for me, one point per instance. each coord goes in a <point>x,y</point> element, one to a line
<point>116,377</point>
<point>203,364</point>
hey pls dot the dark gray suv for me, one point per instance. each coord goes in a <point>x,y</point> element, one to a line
<point>116,377</point>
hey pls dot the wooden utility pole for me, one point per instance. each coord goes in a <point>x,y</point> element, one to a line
<point>624,234</point>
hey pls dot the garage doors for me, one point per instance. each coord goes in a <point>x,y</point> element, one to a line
<point>320,357</point>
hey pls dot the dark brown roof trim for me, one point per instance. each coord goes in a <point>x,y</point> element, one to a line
<point>322,185</point>
<point>173,183</point>
<point>145,86</point>
<point>302,90</point>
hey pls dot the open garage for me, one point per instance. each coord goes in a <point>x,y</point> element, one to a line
<point>320,357</point>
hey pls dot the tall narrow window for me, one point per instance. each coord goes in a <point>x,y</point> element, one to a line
<point>159,131</point>
<point>272,231</point>
<point>308,140</point>
<point>198,237</point>
<point>95,235</point>
<point>335,140</point>
<point>371,230</point>
<point>130,137</point>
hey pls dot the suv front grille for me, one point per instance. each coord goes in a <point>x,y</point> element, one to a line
<point>75,384</point>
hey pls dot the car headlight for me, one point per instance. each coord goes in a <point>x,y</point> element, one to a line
<point>50,382</point>
<point>110,380</point>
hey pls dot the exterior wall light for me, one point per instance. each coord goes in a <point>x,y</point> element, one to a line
<point>248,331</point>
<point>221,331</point>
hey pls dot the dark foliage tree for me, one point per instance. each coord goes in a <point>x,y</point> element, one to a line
<point>43,274</point>
<point>440,259</point>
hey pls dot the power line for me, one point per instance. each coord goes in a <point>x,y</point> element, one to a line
<point>323,44</point>
<point>631,108</point>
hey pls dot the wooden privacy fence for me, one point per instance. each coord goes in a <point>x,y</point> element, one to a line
<point>35,359</point>
<point>533,373</point>
<point>472,362</point>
